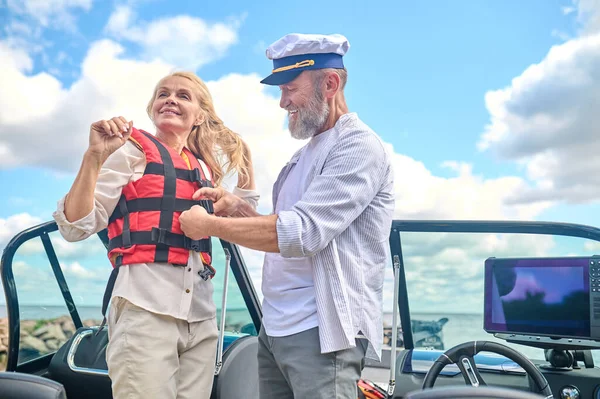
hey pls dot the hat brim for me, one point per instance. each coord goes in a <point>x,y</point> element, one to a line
<point>281,78</point>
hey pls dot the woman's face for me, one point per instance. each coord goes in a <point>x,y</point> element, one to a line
<point>176,106</point>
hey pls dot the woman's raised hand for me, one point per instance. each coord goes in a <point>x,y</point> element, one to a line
<point>106,136</point>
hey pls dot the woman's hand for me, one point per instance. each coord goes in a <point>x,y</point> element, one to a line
<point>107,136</point>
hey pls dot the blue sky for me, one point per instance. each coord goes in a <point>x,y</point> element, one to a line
<point>484,120</point>
<point>418,72</point>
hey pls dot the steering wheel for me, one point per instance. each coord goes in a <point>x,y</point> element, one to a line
<point>462,355</point>
<point>457,392</point>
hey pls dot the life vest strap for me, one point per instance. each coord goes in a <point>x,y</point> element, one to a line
<point>153,204</point>
<point>191,175</point>
<point>109,289</point>
<point>126,234</point>
<point>162,236</point>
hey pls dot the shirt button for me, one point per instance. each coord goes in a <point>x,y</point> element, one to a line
<point>189,269</point>
<point>187,291</point>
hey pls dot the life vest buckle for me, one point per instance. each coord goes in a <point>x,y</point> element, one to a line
<point>208,205</point>
<point>207,273</point>
<point>195,245</point>
<point>202,245</point>
<point>159,235</point>
<point>195,176</point>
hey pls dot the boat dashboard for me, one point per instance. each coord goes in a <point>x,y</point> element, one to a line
<point>561,316</point>
<point>550,303</point>
<point>412,366</point>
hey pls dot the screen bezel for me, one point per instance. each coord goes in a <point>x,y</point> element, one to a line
<point>573,261</point>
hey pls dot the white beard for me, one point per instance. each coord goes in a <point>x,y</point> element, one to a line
<point>310,119</point>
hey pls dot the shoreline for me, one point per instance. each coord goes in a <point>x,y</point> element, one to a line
<point>39,337</point>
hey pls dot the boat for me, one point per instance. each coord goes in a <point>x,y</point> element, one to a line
<point>65,352</point>
<point>426,333</point>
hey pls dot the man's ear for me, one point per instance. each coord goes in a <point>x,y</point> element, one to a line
<point>332,84</point>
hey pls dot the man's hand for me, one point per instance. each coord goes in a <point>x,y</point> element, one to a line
<point>196,222</point>
<point>225,203</point>
<point>259,232</point>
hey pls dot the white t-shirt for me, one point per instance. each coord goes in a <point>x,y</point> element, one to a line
<point>289,305</point>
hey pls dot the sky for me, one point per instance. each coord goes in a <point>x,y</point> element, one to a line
<point>489,110</point>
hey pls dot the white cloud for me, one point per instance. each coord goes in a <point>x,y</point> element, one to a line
<point>50,13</point>
<point>27,21</point>
<point>28,274</point>
<point>16,29</point>
<point>591,246</point>
<point>79,272</point>
<point>65,251</point>
<point>90,247</point>
<point>53,121</point>
<point>546,120</point>
<point>14,224</point>
<point>184,41</point>
<point>421,195</point>
<point>439,266</point>
<point>561,35</point>
<point>588,14</point>
<point>34,282</point>
<point>14,60</point>
<point>119,20</point>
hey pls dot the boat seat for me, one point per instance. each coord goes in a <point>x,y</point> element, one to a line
<point>239,374</point>
<point>89,376</point>
<point>26,386</point>
<point>238,377</point>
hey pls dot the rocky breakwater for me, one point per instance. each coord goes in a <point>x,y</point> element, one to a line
<point>39,337</point>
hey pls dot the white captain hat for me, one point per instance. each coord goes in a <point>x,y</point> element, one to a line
<point>297,52</point>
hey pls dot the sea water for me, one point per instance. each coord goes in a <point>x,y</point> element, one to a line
<point>459,328</point>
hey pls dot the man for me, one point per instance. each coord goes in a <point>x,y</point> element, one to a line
<point>326,241</point>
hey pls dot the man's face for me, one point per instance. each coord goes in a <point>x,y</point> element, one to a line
<point>305,102</point>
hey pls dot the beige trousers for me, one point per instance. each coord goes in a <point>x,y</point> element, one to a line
<point>156,356</point>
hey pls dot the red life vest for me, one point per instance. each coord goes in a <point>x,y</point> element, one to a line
<point>144,227</point>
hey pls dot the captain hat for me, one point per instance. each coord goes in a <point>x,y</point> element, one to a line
<point>297,52</point>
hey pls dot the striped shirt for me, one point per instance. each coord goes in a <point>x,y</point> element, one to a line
<point>342,223</point>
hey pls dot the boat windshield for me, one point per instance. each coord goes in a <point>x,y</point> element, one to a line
<point>441,292</point>
<point>444,274</point>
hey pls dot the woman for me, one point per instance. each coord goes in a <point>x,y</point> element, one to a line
<point>162,319</point>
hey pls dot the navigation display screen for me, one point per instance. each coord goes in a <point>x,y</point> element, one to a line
<point>538,296</point>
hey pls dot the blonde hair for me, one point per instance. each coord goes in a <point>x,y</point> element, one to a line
<point>212,138</point>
